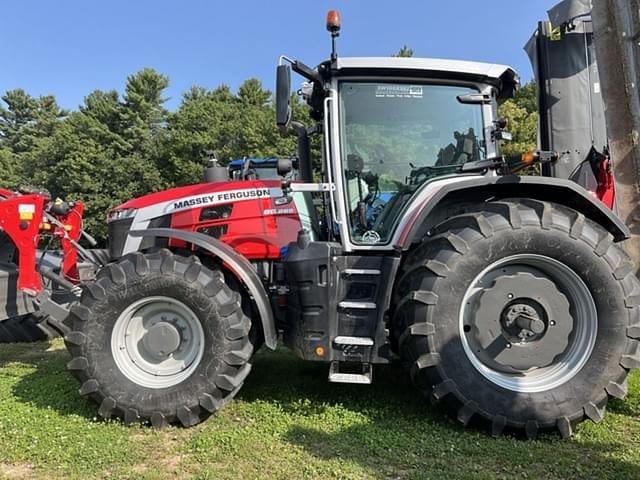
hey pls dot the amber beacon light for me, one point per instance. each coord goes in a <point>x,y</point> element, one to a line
<point>333,21</point>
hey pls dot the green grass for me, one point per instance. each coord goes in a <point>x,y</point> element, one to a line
<point>287,422</point>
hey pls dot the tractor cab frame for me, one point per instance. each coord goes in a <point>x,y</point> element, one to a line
<point>431,130</point>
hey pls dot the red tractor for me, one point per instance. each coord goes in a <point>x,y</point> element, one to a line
<point>507,297</point>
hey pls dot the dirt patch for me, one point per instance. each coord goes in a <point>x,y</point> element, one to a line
<point>16,471</point>
<point>164,448</point>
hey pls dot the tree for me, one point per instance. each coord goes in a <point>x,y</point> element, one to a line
<point>252,93</point>
<point>106,152</point>
<point>527,97</point>
<point>522,115</point>
<point>143,113</point>
<point>26,126</point>
<point>404,52</point>
<point>19,112</point>
<point>9,165</point>
<point>233,126</point>
<point>26,119</point>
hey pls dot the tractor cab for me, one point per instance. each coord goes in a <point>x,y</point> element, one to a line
<point>392,125</point>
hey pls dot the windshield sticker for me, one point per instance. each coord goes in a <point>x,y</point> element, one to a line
<point>399,91</point>
<point>371,237</point>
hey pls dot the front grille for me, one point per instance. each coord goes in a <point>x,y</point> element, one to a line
<point>118,230</point>
<point>216,213</point>
<point>215,231</point>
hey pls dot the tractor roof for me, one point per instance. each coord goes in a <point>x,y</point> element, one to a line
<point>501,76</point>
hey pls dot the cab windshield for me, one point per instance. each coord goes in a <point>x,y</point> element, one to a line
<point>395,137</point>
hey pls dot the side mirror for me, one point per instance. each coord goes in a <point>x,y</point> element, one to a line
<point>283,97</point>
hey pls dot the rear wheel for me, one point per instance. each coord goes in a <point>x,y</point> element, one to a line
<point>159,337</point>
<point>34,327</point>
<point>522,313</point>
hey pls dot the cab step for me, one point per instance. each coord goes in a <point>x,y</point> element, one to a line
<point>346,304</point>
<point>359,341</point>
<point>362,271</point>
<point>364,378</point>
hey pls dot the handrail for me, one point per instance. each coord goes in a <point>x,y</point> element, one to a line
<point>329,157</point>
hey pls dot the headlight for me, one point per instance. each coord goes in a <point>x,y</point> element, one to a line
<point>121,214</point>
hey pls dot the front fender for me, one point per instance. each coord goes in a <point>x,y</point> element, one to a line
<point>239,264</point>
<point>448,191</point>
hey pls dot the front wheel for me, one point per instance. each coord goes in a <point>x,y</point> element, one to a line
<point>523,314</point>
<point>159,337</point>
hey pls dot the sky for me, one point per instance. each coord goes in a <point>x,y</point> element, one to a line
<point>69,48</point>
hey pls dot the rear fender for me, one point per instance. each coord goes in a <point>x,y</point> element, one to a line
<point>440,199</point>
<point>239,264</point>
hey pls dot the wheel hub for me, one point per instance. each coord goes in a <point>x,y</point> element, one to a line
<point>522,322</point>
<point>524,319</point>
<point>528,323</point>
<point>157,342</point>
<point>161,340</point>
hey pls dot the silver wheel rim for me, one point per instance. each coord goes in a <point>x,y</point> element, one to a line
<point>581,339</point>
<point>157,342</point>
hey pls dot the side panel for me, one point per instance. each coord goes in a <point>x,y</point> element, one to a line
<point>257,228</point>
<point>572,111</point>
<point>337,303</point>
<point>253,217</point>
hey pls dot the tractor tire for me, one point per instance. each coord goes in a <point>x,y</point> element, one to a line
<point>520,315</point>
<point>35,327</point>
<point>159,337</point>
<point>20,329</point>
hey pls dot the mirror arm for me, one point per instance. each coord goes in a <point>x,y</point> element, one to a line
<point>307,72</point>
<point>304,151</point>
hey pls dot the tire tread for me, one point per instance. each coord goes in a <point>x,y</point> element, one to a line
<point>410,331</point>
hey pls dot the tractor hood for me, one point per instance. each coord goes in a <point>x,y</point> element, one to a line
<point>217,192</point>
<point>503,77</point>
